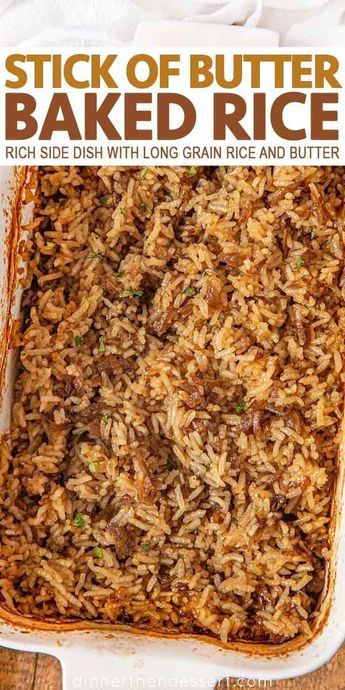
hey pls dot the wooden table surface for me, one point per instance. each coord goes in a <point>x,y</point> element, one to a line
<point>22,671</point>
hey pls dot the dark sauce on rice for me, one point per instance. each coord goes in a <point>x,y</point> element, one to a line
<point>178,401</point>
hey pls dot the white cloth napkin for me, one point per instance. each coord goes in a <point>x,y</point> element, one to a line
<point>115,22</point>
<point>325,28</point>
<point>107,22</point>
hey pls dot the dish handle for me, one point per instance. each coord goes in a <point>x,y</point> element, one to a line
<point>94,669</point>
<point>84,669</point>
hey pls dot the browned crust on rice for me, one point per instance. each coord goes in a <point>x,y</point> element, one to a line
<point>179,401</point>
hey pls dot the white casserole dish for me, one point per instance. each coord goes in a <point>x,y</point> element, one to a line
<point>104,656</point>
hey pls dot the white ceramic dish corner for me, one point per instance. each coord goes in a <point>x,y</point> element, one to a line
<point>108,657</point>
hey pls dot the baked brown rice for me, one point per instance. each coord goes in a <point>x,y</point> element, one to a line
<point>179,398</point>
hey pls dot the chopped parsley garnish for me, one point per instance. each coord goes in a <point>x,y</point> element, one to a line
<point>299,262</point>
<point>240,406</point>
<point>78,340</point>
<point>118,274</point>
<point>101,344</point>
<point>145,207</point>
<point>143,172</point>
<point>123,211</point>
<point>132,292</point>
<point>312,233</point>
<point>193,170</point>
<point>146,547</point>
<point>98,552</point>
<point>92,467</point>
<point>51,245</point>
<point>171,464</point>
<point>79,520</point>
<point>103,200</point>
<point>188,291</point>
<point>105,419</point>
